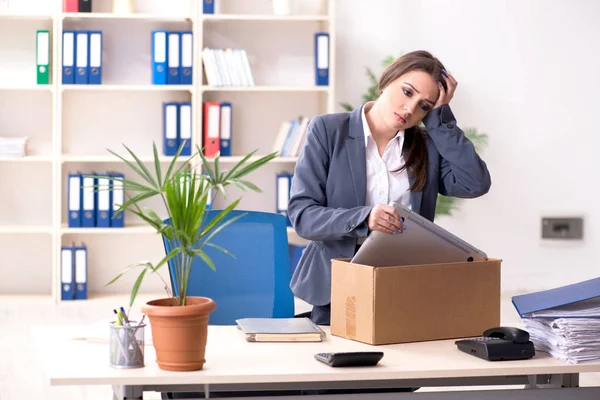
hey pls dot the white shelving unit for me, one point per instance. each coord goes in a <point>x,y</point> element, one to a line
<point>70,127</point>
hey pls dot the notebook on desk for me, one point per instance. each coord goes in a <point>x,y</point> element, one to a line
<point>280,330</point>
<point>576,300</point>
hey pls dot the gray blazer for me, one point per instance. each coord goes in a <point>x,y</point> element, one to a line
<point>327,198</point>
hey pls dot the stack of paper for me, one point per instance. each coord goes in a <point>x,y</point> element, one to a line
<point>573,340</point>
<point>564,322</point>
<point>13,147</point>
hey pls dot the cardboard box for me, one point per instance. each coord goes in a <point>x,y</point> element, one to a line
<point>384,305</point>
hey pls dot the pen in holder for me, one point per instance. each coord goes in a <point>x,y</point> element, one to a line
<point>126,345</point>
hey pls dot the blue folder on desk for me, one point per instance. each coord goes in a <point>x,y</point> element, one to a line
<point>563,301</point>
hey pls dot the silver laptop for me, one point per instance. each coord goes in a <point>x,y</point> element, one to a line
<point>422,242</point>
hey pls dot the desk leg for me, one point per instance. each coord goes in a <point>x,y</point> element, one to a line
<point>127,392</point>
<point>553,381</point>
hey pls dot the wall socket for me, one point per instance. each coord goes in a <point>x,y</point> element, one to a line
<point>562,228</point>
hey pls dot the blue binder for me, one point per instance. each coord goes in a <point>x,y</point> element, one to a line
<point>184,132</point>
<point>95,57</point>
<point>225,129</point>
<point>321,59</point>
<point>82,57</point>
<point>88,202</point>
<point>159,57</point>
<point>173,58</point>
<point>67,273</point>
<point>74,201</point>
<point>528,304</point>
<point>283,185</point>
<point>103,204</point>
<point>186,67</point>
<point>80,261</point>
<point>208,6</point>
<point>68,57</point>
<point>170,128</point>
<point>117,199</point>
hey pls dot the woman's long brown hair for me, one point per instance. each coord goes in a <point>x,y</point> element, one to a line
<point>414,138</point>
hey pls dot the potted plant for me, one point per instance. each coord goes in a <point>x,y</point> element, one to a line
<point>179,322</point>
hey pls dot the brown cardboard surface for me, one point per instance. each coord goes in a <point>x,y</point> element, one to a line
<point>414,303</point>
<point>353,291</point>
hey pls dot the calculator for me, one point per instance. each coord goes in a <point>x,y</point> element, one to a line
<point>350,359</point>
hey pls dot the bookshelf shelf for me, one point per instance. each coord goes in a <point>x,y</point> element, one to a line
<point>283,88</point>
<point>128,230</point>
<point>134,16</point>
<point>15,229</point>
<point>25,16</point>
<point>69,133</point>
<point>126,88</point>
<point>30,88</point>
<point>266,17</point>
<point>26,159</point>
<point>112,159</point>
<point>236,159</point>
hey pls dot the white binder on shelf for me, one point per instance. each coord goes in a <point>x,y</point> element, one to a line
<point>68,58</point>
<point>81,268</point>
<point>74,205</point>
<point>82,57</point>
<point>88,198</point>
<point>225,128</point>
<point>283,185</point>
<point>118,199</point>
<point>174,58</point>
<point>103,206</point>
<point>187,57</point>
<point>95,69</point>
<point>66,274</point>
<point>185,128</point>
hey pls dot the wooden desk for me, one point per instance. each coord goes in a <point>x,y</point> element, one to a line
<point>234,364</point>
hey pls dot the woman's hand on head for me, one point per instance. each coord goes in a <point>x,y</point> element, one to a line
<point>386,219</point>
<point>446,95</point>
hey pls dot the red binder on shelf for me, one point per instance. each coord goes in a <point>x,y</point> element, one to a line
<point>211,132</point>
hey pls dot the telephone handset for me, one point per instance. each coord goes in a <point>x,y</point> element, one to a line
<point>515,335</point>
<point>497,344</point>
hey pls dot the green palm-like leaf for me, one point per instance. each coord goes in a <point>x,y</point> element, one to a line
<point>136,286</point>
<point>217,220</point>
<point>220,249</point>
<point>206,259</point>
<point>157,165</point>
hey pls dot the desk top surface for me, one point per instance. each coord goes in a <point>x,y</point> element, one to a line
<point>232,360</point>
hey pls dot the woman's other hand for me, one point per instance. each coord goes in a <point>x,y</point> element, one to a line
<point>446,95</point>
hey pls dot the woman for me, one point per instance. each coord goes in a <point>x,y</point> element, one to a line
<point>353,164</point>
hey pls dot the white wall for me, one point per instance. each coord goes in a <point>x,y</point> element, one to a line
<point>527,77</point>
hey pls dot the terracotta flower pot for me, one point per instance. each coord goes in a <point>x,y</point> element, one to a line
<point>179,333</point>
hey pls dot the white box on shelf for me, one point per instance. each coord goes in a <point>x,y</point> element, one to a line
<point>13,146</point>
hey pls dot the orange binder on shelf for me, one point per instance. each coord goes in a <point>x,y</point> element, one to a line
<point>211,132</point>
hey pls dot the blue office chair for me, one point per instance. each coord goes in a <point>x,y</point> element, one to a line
<point>253,284</point>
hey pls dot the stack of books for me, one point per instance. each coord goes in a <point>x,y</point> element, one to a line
<point>564,322</point>
<point>13,147</point>
<point>291,137</point>
<point>227,67</point>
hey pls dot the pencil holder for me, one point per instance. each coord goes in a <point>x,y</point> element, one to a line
<point>126,345</point>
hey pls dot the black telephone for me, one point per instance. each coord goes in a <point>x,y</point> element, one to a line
<point>497,344</point>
